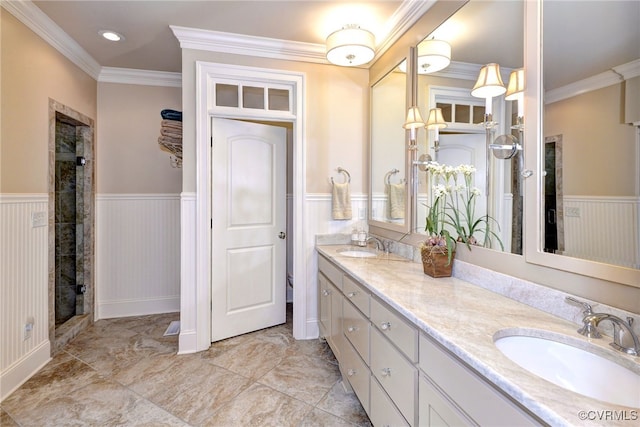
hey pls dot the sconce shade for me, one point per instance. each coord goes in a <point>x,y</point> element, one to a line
<point>414,119</point>
<point>350,46</point>
<point>489,83</point>
<point>435,120</point>
<point>516,84</point>
<point>433,55</point>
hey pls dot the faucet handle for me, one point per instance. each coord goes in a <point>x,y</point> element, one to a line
<point>587,307</point>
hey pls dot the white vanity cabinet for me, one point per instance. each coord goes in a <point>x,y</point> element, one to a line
<point>402,375</point>
<point>330,305</point>
<point>453,394</point>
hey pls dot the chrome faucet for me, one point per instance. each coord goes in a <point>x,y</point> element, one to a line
<point>379,243</point>
<point>624,339</point>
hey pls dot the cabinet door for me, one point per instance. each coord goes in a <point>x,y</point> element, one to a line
<point>435,410</point>
<point>395,374</point>
<point>357,374</point>
<point>383,411</point>
<point>336,339</point>
<point>356,329</point>
<point>324,307</point>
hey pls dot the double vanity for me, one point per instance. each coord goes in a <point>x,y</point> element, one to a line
<point>423,351</point>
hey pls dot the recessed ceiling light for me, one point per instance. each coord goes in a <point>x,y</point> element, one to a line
<point>111,35</point>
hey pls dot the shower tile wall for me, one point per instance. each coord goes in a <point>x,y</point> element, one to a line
<point>68,223</point>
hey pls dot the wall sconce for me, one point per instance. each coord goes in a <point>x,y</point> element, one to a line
<point>350,46</point>
<point>515,92</point>
<point>488,85</point>
<point>413,122</point>
<point>436,122</point>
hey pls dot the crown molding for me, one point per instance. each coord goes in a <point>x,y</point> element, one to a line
<point>608,78</point>
<point>139,77</point>
<point>240,44</point>
<point>402,19</point>
<point>399,23</point>
<point>31,16</point>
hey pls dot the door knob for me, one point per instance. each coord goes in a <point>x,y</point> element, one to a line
<point>282,235</point>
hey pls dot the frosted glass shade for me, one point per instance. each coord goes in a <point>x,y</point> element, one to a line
<point>414,119</point>
<point>350,46</point>
<point>516,85</point>
<point>489,83</point>
<point>435,120</point>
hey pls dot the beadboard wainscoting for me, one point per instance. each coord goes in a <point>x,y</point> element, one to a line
<point>592,229</point>
<point>24,288</point>
<point>137,254</point>
<point>318,221</point>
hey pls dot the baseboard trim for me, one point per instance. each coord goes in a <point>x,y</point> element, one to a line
<point>312,329</point>
<point>137,307</point>
<point>18,373</point>
<point>187,342</point>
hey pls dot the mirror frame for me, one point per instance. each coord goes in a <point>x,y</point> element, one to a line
<point>534,143</point>
<point>404,227</point>
<point>403,48</point>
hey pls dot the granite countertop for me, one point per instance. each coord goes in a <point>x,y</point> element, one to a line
<point>464,318</point>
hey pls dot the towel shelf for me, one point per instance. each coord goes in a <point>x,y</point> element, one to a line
<point>345,172</point>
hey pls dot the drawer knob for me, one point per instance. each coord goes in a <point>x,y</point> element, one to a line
<point>386,372</point>
<point>351,372</point>
<point>352,329</point>
<point>352,294</point>
<point>326,292</point>
<point>385,326</point>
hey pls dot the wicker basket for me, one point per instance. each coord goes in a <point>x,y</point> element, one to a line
<point>435,261</point>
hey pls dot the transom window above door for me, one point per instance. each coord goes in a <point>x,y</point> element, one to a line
<point>253,96</point>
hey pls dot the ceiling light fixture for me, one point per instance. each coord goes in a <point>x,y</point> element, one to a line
<point>433,55</point>
<point>350,46</point>
<point>111,35</point>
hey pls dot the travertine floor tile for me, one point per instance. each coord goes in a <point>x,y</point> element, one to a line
<point>260,406</point>
<point>124,372</point>
<point>302,376</point>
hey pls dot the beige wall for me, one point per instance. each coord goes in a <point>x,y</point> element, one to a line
<point>33,72</point>
<point>594,137</point>
<point>336,118</point>
<point>129,159</point>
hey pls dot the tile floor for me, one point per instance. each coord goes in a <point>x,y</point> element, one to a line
<point>124,372</point>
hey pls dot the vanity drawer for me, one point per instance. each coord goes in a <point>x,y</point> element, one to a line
<point>395,373</point>
<point>383,411</point>
<point>463,386</point>
<point>356,294</point>
<point>403,335</point>
<point>357,374</point>
<point>333,273</point>
<point>356,328</point>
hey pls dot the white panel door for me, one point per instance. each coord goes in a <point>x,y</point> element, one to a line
<point>249,222</point>
<point>468,149</point>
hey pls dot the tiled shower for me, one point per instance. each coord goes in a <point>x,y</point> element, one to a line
<point>71,223</point>
<point>69,233</point>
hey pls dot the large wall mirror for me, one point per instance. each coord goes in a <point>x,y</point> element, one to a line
<point>481,32</point>
<point>388,203</point>
<point>589,142</point>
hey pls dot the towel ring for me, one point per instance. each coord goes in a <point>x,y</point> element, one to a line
<point>387,177</point>
<point>344,171</point>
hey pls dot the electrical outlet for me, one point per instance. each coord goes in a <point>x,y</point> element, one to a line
<point>572,212</point>
<point>362,213</point>
<point>38,219</point>
<point>28,328</point>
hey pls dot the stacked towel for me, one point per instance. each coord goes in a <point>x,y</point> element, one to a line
<point>171,135</point>
<point>341,201</point>
<point>396,194</point>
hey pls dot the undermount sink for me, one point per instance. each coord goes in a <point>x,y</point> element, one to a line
<point>573,368</point>
<point>358,253</point>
